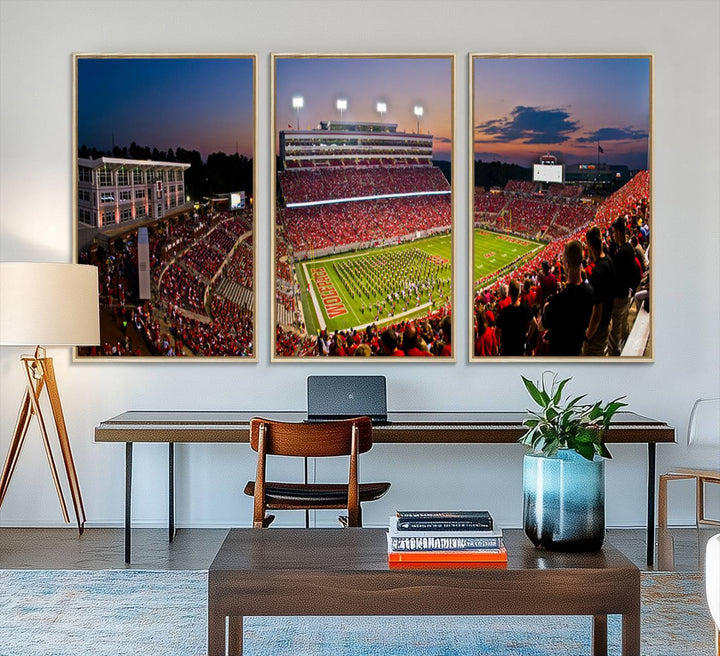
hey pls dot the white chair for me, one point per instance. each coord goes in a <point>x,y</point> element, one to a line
<point>712,583</point>
<point>703,431</point>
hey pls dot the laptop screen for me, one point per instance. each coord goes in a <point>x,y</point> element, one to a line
<point>340,397</point>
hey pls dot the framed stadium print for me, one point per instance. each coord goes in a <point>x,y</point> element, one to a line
<point>363,207</point>
<point>562,218</point>
<point>163,187</point>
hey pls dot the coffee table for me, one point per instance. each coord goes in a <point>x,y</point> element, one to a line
<point>275,572</point>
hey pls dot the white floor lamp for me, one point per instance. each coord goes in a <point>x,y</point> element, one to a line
<point>46,304</point>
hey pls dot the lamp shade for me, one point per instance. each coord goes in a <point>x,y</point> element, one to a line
<point>48,304</point>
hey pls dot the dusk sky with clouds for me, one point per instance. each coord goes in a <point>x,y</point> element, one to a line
<point>199,103</point>
<point>525,107</point>
<point>400,82</point>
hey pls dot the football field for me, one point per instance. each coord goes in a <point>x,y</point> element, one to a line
<point>377,285</point>
<point>493,251</point>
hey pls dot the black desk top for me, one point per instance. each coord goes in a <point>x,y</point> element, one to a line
<point>402,426</point>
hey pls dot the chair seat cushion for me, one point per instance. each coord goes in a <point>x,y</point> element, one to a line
<point>316,495</point>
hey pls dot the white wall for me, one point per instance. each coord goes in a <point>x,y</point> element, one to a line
<point>36,41</point>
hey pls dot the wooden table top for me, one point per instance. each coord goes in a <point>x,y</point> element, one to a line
<point>404,426</point>
<point>365,549</point>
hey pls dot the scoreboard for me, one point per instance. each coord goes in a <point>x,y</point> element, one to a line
<point>548,173</point>
<point>237,200</point>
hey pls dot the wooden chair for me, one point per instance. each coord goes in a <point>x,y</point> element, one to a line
<point>703,429</point>
<point>349,437</point>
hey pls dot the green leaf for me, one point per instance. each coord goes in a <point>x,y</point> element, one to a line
<point>543,392</point>
<point>551,450</point>
<point>558,392</point>
<point>576,400</point>
<point>595,412</point>
<point>586,437</point>
<point>610,410</point>
<point>534,392</point>
<point>586,451</point>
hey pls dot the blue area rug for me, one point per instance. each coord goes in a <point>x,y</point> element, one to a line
<point>130,612</point>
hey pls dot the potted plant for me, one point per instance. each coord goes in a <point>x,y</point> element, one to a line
<point>564,468</point>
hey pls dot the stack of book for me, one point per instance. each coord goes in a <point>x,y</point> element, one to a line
<point>445,538</point>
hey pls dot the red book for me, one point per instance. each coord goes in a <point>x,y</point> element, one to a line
<point>449,557</point>
<point>447,565</point>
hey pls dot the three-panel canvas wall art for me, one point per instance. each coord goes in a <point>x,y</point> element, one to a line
<point>363,213</point>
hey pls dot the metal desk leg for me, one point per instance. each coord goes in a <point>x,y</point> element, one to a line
<point>651,505</point>
<point>171,491</point>
<point>128,497</point>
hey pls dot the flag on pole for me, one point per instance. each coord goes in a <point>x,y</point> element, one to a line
<point>600,150</point>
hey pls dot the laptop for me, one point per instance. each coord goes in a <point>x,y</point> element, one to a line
<point>330,398</point>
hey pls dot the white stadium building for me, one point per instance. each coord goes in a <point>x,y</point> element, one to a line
<point>115,192</point>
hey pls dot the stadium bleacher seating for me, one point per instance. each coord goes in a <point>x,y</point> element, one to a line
<point>323,226</point>
<point>630,201</point>
<point>312,185</point>
<point>188,314</point>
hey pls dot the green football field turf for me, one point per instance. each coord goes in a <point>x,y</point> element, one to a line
<point>347,287</point>
<point>493,251</point>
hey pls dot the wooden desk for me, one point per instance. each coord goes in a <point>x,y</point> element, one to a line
<point>345,572</point>
<point>403,427</point>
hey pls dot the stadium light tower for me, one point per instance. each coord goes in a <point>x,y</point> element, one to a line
<point>382,108</point>
<point>297,103</point>
<point>341,104</point>
<point>418,111</point>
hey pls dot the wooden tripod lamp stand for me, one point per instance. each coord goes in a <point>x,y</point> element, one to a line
<point>53,305</point>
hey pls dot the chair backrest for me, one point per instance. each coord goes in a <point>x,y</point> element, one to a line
<point>312,439</point>
<point>704,423</point>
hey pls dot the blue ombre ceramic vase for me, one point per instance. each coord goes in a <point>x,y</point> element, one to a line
<point>564,501</point>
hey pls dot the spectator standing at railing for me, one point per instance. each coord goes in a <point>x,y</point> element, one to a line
<point>567,313</point>
<point>389,343</point>
<point>602,280</point>
<point>486,343</point>
<point>513,323</point>
<point>639,253</point>
<point>412,344</point>
<point>548,283</point>
<point>627,278</point>
<point>446,329</point>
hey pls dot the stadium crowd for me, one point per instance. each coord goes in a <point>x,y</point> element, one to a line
<point>357,160</point>
<point>521,186</point>
<point>523,312</point>
<point>337,224</point>
<point>520,209</point>
<point>427,336</point>
<point>184,316</point>
<point>565,190</point>
<point>312,185</point>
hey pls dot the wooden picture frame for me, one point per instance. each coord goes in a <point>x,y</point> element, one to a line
<point>560,143</point>
<point>163,189</point>
<point>362,206</point>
